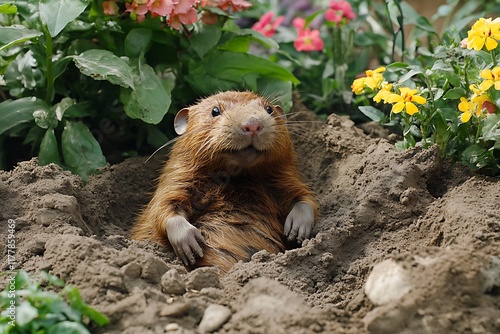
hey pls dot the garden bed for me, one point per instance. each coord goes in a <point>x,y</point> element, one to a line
<point>439,223</point>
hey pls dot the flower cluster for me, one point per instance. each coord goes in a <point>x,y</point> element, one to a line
<point>176,12</point>
<point>339,10</point>
<point>402,98</point>
<point>485,33</point>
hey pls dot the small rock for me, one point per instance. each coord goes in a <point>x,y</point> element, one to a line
<point>153,269</point>
<point>172,283</point>
<point>387,282</point>
<point>178,309</point>
<point>171,327</point>
<point>132,270</point>
<point>47,217</point>
<point>214,317</point>
<point>205,277</point>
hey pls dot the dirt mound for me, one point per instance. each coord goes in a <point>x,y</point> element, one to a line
<point>424,234</point>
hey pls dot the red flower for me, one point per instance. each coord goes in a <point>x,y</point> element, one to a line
<point>339,10</point>
<point>307,40</point>
<point>266,26</point>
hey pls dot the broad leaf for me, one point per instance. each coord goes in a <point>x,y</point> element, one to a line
<point>149,101</point>
<point>15,112</point>
<point>372,113</point>
<point>206,39</point>
<point>455,93</point>
<point>49,151</point>
<point>25,313</point>
<point>491,128</point>
<point>137,42</point>
<point>81,151</point>
<point>104,65</point>
<point>56,14</point>
<point>16,34</point>
<point>68,327</point>
<point>229,70</point>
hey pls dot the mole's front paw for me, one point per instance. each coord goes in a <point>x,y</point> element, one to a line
<point>184,238</point>
<point>299,223</point>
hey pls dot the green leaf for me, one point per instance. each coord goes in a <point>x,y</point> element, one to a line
<point>372,113</point>
<point>68,327</point>
<point>491,128</point>
<point>257,37</point>
<point>56,14</point>
<point>149,101</point>
<point>25,313</point>
<point>15,112</point>
<point>409,75</point>
<point>81,109</point>
<point>16,34</point>
<point>423,23</point>
<point>206,39</point>
<point>8,8</point>
<point>81,151</point>
<point>49,151</point>
<point>229,70</point>
<point>104,65</point>
<point>137,42</point>
<point>476,157</point>
<point>79,304</point>
<point>455,93</point>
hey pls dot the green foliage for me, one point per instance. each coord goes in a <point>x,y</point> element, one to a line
<point>460,110</point>
<point>80,85</point>
<point>33,309</point>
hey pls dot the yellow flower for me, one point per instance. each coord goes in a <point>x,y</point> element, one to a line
<point>358,85</point>
<point>484,32</point>
<point>405,100</point>
<point>492,77</point>
<point>374,78</point>
<point>383,93</point>
<point>467,108</point>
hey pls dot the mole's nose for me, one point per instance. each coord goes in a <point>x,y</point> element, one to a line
<point>252,126</point>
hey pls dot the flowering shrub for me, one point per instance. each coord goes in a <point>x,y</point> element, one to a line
<point>93,81</point>
<point>451,99</point>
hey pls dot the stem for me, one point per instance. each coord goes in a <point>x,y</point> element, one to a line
<point>49,66</point>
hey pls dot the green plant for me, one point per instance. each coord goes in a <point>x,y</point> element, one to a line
<point>449,97</point>
<point>86,82</point>
<point>29,308</point>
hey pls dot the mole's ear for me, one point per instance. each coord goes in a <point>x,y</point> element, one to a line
<point>181,121</point>
<point>281,112</point>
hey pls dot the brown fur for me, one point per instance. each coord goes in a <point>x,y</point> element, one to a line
<point>239,210</point>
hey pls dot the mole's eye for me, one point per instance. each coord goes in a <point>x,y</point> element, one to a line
<point>215,112</point>
<point>269,109</point>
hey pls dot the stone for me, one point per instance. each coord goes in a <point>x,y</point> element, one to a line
<point>205,277</point>
<point>214,317</point>
<point>387,282</point>
<point>172,283</point>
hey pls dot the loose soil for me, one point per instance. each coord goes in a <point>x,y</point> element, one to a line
<point>436,225</point>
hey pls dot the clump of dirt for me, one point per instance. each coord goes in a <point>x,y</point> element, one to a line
<point>430,230</point>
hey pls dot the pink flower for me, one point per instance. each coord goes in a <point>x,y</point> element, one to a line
<point>237,5</point>
<point>299,23</point>
<point>307,40</point>
<point>110,7</point>
<point>160,7</point>
<point>266,26</point>
<point>137,10</point>
<point>338,10</point>
<point>463,43</point>
<point>183,13</point>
